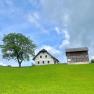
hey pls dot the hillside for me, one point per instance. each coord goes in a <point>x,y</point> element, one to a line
<point>50,79</point>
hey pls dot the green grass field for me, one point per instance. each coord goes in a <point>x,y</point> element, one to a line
<point>50,79</point>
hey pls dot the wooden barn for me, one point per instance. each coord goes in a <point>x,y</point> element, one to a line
<point>77,56</point>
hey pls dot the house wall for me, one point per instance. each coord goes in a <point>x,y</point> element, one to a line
<point>78,57</point>
<point>44,58</point>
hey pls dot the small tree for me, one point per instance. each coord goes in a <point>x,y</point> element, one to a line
<point>18,47</point>
<point>92,61</point>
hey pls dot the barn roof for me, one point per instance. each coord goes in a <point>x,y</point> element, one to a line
<point>43,50</point>
<point>77,49</point>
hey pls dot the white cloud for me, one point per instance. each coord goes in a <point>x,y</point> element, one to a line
<point>67,36</point>
<point>64,44</point>
<point>57,30</point>
<point>66,18</point>
<point>63,33</point>
<point>49,49</point>
<point>35,20</point>
<point>76,16</point>
<point>92,57</point>
<point>2,64</point>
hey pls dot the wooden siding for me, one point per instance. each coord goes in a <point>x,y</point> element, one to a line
<point>78,56</point>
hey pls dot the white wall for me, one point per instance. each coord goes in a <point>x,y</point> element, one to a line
<point>78,63</point>
<point>49,58</point>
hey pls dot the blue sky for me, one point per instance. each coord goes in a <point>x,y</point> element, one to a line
<point>52,24</point>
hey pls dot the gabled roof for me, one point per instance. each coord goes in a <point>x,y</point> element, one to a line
<point>42,51</point>
<point>77,49</point>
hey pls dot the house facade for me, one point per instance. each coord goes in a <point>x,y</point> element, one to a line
<point>44,57</point>
<point>77,56</point>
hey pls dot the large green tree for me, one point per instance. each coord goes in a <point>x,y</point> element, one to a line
<point>18,47</point>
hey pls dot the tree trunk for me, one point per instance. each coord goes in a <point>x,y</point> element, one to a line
<point>19,65</point>
<point>19,61</point>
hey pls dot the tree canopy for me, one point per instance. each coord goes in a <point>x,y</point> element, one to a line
<point>18,47</point>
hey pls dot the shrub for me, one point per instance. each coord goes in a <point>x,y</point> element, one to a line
<point>92,61</point>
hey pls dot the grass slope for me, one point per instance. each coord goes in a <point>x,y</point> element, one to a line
<point>50,79</point>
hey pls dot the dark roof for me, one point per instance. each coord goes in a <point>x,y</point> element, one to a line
<point>77,49</point>
<point>43,50</point>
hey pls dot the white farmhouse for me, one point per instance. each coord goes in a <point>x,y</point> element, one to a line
<point>44,57</point>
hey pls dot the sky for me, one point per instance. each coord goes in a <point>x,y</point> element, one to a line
<point>52,24</point>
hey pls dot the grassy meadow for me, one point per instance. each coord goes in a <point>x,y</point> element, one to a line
<point>49,79</point>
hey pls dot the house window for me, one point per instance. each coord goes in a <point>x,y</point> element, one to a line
<point>45,56</point>
<point>40,56</point>
<point>43,62</point>
<point>38,62</point>
<point>48,62</point>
